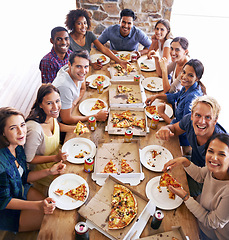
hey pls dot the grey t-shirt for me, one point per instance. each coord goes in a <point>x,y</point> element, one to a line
<point>89,39</point>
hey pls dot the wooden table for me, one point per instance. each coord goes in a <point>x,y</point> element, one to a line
<point>61,224</point>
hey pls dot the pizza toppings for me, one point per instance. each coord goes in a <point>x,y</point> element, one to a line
<point>79,193</point>
<point>125,57</point>
<point>99,104</point>
<point>59,192</point>
<point>166,180</point>
<point>81,154</point>
<point>123,207</point>
<point>132,99</point>
<point>110,168</point>
<point>124,89</point>
<point>81,128</point>
<point>126,119</point>
<point>103,58</point>
<point>121,71</point>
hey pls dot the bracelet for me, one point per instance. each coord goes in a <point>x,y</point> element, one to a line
<point>184,196</point>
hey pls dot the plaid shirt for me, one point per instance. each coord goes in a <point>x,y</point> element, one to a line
<point>11,183</point>
<point>50,65</point>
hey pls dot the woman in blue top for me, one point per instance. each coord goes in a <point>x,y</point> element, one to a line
<point>78,22</point>
<point>192,87</point>
<point>21,206</point>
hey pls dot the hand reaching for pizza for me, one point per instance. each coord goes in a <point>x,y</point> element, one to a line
<point>176,162</point>
<point>149,100</point>
<point>48,205</point>
<point>164,133</point>
<point>151,54</point>
<point>61,156</point>
<point>101,115</point>
<point>124,64</point>
<point>96,66</point>
<point>58,168</point>
<point>179,191</point>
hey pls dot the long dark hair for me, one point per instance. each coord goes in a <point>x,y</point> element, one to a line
<point>199,70</point>
<point>222,137</point>
<point>37,114</point>
<point>5,113</point>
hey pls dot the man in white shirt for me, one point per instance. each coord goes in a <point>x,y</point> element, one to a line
<point>70,81</point>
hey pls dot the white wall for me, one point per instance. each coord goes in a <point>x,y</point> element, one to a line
<point>205,24</point>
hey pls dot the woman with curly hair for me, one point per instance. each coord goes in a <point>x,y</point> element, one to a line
<point>78,22</point>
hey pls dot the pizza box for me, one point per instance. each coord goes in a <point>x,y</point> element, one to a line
<point>97,210</point>
<point>128,77</point>
<point>137,131</point>
<point>117,99</point>
<point>116,151</point>
<point>176,232</point>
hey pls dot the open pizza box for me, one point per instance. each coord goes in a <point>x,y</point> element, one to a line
<point>125,77</point>
<point>98,209</point>
<point>117,99</point>
<point>116,151</point>
<point>137,131</point>
<point>176,232</point>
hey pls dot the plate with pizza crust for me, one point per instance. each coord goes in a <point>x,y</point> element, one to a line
<point>67,182</point>
<point>86,106</point>
<point>161,199</point>
<point>79,149</point>
<point>146,65</point>
<point>94,58</point>
<point>92,80</point>
<point>168,110</point>
<point>153,84</point>
<point>124,55</point>
<point>154,157</point>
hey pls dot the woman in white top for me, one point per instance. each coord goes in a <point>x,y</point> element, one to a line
<point>161,40</point>
<point>211,208</point>
<point>43,130</point>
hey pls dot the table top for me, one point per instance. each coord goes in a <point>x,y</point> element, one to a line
<point>60,225</point>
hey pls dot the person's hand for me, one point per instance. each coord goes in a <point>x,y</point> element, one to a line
<point>101,115</point>
<point>153,38</point>
<point>163,64</point>
<point>161,108</point>
<point>152,54</point>
<point>164,133</point>
<point>124,64</point>
<point>173,163</point>
<point>96,66</point>
<point>61,156</point>
<point>149,100</point>
<point>49,205</point>
<point>138,53</point>
<point>179,191</point>
<point>57,168</point>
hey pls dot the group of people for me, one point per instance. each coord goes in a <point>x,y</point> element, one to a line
<point>36,139</point>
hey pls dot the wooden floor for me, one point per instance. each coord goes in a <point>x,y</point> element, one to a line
<point>4,235</point>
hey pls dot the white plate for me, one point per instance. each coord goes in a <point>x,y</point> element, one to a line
<point>148,62</point>
<point>168,110</point>
<point>161,199</point>
<point>76,145</point>
<point>156,82</point>
<point>94,58</point>
<point>125,53</point>
<point>91,78</point>
<point>86,105</point>
<point>67,182</point>
<point>159,160</point>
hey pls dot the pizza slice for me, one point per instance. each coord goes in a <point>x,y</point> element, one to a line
<point>166,180</point>
<point>81,128</point>
<point>99,104</point>
<point>125,167</point>
<point>59,192</point>
<point>103,58</point>
<point>144,66</point>
<point>132,99</point>
<point>125,57</point>
<point>123,124</point>
<point>124,89</point>
<point>110,168</point>
<point>79,193</point>
<point>152,110</point>
<point>127,115</point>
<point>140,123</point>
<point>98,79</point>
